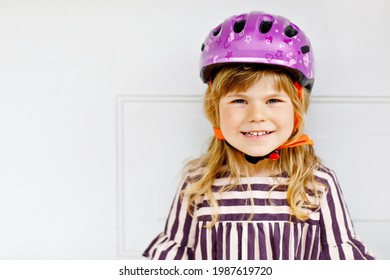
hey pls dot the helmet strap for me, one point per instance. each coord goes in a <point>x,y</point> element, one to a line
<point>299,88</point>
<point>218,133</point>
<point>275,155</point>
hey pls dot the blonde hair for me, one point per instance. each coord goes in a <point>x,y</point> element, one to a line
<point>298,163</point>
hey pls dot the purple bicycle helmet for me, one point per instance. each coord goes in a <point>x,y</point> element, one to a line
<point>258,38</point>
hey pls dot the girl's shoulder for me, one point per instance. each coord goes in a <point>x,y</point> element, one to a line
<point>325,175</point>
<point>196,169</point>
<point>322,168</point>
<point>192,172</point>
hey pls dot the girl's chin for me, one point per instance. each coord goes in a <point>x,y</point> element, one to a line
<point>254,151</point>
<point>257,154</point>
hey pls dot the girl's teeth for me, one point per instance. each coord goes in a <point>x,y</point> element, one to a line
<point>253,133</point>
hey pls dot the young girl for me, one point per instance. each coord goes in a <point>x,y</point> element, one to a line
<point>260,191</point>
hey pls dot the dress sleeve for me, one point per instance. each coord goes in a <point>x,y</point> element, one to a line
<point>177,240</point>
<point>338,239</point>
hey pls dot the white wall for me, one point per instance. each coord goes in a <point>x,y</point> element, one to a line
<point>100,104</point>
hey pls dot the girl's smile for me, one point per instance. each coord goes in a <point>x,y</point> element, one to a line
<point>259,120</point>
<point>257,133</point>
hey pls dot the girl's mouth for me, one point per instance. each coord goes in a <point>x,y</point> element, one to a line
<point>256,133</point>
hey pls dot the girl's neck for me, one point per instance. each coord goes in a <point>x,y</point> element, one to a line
<point>263,168</point>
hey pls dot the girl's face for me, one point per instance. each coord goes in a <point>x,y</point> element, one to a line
<point>259,120</point>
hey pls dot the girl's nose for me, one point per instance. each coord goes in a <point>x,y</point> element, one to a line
<point>257,113</point>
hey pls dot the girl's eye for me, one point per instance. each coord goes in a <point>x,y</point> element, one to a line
<point>271,101</point>
<point>239,101</point>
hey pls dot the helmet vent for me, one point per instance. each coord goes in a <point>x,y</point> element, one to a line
<point>217,31</point>
<point>265,26</point>
<point>202,48</point>
<point>239,26</point>
<point>305,49</point>
<point>290,31</point>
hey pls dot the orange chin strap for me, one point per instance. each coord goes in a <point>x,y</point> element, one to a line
<point>299,88</point>
<point>303,140</point>
<point>218,133</point>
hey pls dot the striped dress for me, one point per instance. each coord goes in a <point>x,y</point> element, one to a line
<point>271,233</point>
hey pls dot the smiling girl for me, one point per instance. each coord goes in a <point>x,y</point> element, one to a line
<point>260,191</point>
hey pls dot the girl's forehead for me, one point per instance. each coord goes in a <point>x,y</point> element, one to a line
<point>265,85</point>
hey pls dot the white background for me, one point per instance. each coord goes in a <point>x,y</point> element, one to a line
<point>100,105</point>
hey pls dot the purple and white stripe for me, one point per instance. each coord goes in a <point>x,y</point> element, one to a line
<point>271,233</point>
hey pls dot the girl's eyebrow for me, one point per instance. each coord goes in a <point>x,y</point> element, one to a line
<point>276,95</point>
<point>268,96</point>
<point>236,94</point>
